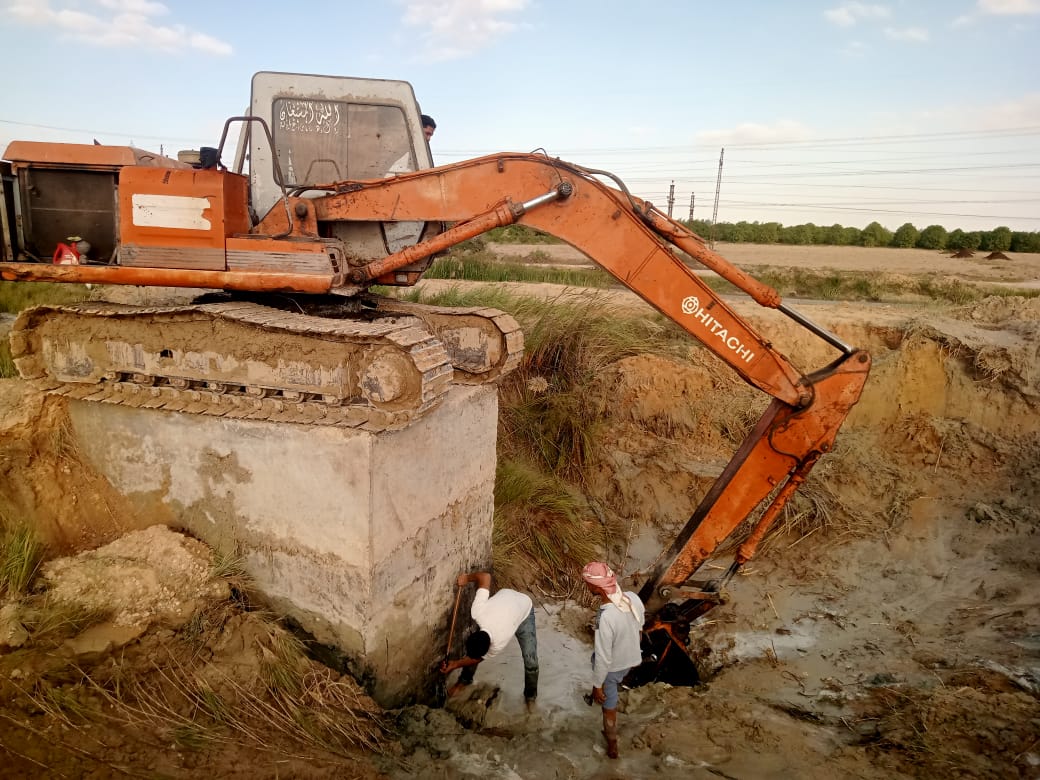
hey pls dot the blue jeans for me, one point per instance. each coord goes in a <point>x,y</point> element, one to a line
<point>528,639</point>
<point>610,688</point>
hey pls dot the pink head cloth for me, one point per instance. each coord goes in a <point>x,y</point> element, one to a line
<point>600,575</point>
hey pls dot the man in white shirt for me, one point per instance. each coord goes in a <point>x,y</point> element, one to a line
<point>619,627</point>
<point>500,617</point>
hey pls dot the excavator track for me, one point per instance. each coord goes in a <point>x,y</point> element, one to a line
<point>484,343</point>
<point>236,359</point>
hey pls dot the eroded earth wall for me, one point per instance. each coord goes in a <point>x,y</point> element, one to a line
<point>357,536</point>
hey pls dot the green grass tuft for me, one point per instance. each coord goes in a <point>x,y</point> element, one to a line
<point>482,266</point>
<point>544,530</point>
<point>283,663</point>
<point>21,554</point>
<point>7,367</point>
<point>50,621</point>
<point>15,296</point>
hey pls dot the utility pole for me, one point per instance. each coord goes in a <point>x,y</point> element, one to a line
<point>691,207</point>
<point>715,211</point>
<point>671,198</point>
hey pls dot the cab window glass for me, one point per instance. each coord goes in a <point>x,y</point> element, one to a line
<point>324,141</point>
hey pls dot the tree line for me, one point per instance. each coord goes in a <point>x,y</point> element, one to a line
<point>1000,239</point>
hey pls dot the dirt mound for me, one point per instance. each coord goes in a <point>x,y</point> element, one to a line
<point>997,256</point>
<point>145,577</point>
<point>975,721</point>
<point>668,426</point>
<point>961,253</point>
<point>207,689</point>
<point>39,463</point>
<point>1000,310</point>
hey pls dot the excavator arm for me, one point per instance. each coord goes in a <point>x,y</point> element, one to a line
<point>635,243</point>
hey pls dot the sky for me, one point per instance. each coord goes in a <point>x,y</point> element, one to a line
<point>921,111</point>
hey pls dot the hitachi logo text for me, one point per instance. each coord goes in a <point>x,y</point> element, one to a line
<point>691,305</point>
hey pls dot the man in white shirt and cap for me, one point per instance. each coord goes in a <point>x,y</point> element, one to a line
<point>619,626</point>
<point>500,617</point>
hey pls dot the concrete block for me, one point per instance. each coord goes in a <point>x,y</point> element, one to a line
<point>357,536</point>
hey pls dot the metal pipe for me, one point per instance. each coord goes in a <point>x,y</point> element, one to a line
<point>691,244</point>
<point>166,277</point>
<point>826,335</point>
<point>497,217</point>
<point>747,550</point>
<point>562,190</point>
<point>503,214</point>
<point>275,165</point>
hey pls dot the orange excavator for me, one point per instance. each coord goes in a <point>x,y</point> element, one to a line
<point>333,191</point>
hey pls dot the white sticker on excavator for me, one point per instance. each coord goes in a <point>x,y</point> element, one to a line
<point>691,305</point>
<point>181,212</point>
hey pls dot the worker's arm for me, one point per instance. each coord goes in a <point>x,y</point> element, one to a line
<point>449,666</point>
<point>482,578</point>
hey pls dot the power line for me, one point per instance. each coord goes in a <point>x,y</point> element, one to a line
<point>826,207</point>
<point>878,140</point>
<point>874,140</point>
<point>121,133</point>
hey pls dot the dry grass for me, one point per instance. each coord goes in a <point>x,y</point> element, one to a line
<point>851,491</point>
<point>973,723</point>
<point>547,414</point>
<point>195,701</point>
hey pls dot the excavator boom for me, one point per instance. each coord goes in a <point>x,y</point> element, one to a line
<point>634,243</point>
<point>491,191</point>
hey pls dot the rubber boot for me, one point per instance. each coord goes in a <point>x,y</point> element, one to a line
<point>610,732</point>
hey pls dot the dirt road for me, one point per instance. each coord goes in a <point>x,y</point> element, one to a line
<point>1021,268</point>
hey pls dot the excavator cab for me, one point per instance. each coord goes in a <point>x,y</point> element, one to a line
<point>326,129</point>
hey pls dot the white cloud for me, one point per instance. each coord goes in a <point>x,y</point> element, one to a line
<point>855,49</point>
<point>454,29</point>
<point>642,131</point>
<point>751,133</point>
<point>912,34</point>
<point>850,13</point>
<point>1009,7</point>
<point>999,8</point>
<point>122,23</point>
<point>135,6</point>
<point>1022,112</point>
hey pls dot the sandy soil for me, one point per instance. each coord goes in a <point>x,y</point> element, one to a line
<point>902,642</point>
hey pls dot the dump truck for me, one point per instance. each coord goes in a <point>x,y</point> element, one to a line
<point>332,192</point>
